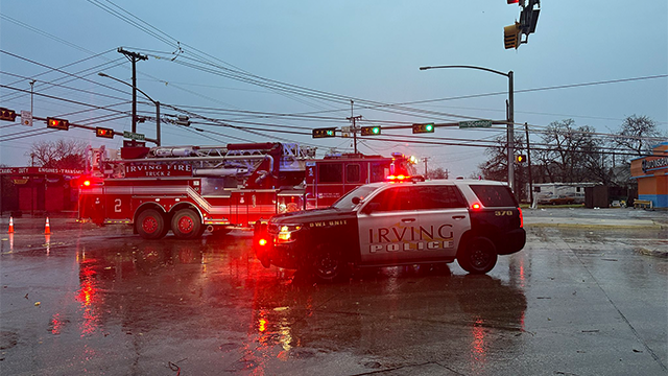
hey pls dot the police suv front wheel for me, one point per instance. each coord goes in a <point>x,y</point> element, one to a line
<point>328,265</point>
<point>479,256</point>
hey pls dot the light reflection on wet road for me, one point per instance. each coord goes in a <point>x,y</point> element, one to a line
<point>574,302</point>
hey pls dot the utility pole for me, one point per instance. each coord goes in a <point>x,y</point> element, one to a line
<point>526,129</point>
<point>354,120</point>
<point>510,133</point>
<point>32,83</point>
<point>426,175</point>
<point>133,57</point>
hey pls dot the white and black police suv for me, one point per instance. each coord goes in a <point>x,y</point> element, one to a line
<point>389,224</point>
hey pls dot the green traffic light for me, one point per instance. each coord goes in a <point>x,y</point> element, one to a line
<point>375,130</point>
<point>429,127</point>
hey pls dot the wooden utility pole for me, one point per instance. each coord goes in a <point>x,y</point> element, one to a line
<point>526,129</point>
<point>354,120</point>
<point>133,57</point>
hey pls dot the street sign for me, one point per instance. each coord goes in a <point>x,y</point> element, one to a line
<point>26,118</point>
<point>475,124</point>
<point>133,136</point>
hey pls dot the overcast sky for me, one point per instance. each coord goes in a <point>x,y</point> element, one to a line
<point>280,69</point>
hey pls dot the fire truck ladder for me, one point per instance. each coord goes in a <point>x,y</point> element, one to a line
<point>240,160</point>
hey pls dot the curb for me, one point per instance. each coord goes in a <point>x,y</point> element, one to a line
<point>652,252</point>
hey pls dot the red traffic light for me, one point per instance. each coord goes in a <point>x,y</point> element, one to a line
<point>7,114</point>
<point>61,124</point>
<point>104,132</point>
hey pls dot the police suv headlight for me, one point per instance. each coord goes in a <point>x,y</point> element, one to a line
<point>285,233</point>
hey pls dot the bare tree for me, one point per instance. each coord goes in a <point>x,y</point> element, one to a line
<point>438,173</point>
<point>63,153</point>
<point>637,135</point>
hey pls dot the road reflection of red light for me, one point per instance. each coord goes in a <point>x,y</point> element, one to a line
<point>478,350</point>
<point>88,296</point>
<point>57,324</point>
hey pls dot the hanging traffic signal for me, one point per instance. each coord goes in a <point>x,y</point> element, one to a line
<point>520,158</point>
<point>104,132</point>
<point>324,132</point>
<point>54,123</point>
<point>371,131</point>
<point>423,128</point>
<point>511,36</point>
<point>7,114</point>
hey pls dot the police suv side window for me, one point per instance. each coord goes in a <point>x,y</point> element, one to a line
<point>398,199</point>
<point>441,197</point>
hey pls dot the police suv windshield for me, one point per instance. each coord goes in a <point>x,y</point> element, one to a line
<point>346,201</point>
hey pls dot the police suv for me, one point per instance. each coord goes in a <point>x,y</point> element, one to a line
<point>389,224</point>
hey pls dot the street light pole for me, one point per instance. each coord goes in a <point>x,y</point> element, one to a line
<point>157,106</point>
<point>510,116</point>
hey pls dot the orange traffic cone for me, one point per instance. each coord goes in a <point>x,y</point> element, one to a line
<point>11,225</point>
<point>47,228</point>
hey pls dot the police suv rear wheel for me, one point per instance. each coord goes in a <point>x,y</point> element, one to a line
<point>479,256</point>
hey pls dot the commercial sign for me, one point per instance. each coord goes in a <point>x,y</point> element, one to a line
<point>152,170</point>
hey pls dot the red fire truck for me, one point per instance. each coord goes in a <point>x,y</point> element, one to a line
<point>189,189</point>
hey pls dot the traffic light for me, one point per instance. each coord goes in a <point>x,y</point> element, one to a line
<point>7,114</point>
<point>54,123</point>
<point>423,128</point>
<point>104,132</point>
<point>520,158</point>
<point>511,36</point>
<point>371,131</point>
<point>324,132</point>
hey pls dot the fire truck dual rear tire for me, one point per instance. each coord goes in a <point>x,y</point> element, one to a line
<point>186,224</point>
<point>151,224</point>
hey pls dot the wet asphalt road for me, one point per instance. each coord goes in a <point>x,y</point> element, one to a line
<point>578,300</point>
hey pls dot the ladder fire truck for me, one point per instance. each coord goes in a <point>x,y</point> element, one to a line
<point>190,189</point>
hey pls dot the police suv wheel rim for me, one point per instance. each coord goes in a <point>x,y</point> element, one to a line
<point>326,265</point>
<point>479,258</point>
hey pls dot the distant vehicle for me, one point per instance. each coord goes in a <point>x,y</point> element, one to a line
<point>387,224</point>
<point>560,193</point>
<point>561,200</point>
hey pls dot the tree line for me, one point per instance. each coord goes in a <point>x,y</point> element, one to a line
<point>568,153</point>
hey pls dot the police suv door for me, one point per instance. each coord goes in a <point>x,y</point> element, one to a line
<point>444,218</point>
<point>387,230</point>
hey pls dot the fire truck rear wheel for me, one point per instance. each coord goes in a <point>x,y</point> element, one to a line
<point>186,224</point>
<point>151,224</point>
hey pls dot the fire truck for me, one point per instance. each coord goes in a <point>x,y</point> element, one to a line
<point>191,189</point>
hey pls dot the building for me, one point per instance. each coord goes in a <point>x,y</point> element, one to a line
<point>38,189</point>
<point>651,172</point>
